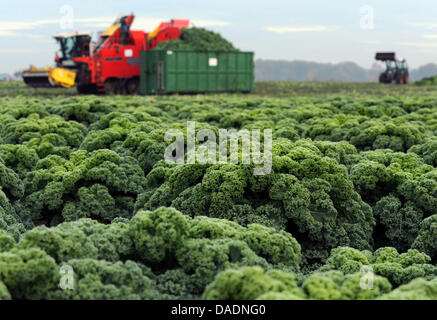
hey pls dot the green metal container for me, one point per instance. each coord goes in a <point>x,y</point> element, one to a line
<point>182,71</point>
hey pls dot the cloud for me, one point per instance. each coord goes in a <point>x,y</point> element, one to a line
<point>430,36</point>
<point>9,28</point>
<point>149,24</point>
<point>371,42</point>
<point>426,25</point>
<point>25,25</point>
<point>6,33</point>
<point>210,23</point>
<point>418,44</point>
<point>428,50</point>
<point>19,51</point>
<point>96,22</point>
<point>294,29</point>
<point>6,27</point>
<point>18,28</point>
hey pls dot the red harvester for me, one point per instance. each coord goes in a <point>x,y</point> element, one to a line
<point>111,66</point>
<point>114,67</point>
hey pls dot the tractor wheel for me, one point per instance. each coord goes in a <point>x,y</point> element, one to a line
<point>82,89</point>
<point>86,89</point>
<point>111,86</point>
<point>407,79</point>
<point>121,86</point>
<point>383,78</point>
<point>133,86</point>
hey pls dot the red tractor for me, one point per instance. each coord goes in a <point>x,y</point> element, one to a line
<point>113,66</point>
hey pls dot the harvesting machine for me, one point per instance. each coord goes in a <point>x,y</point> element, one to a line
<point>110,66</point>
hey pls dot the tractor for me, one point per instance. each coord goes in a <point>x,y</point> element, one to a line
<point>396,69</point>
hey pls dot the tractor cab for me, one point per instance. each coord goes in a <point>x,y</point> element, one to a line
<point>396,69</point>
<point>402,64</point>
<point>72,45</point>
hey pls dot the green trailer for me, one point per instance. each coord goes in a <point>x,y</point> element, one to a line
<point>182,71</point>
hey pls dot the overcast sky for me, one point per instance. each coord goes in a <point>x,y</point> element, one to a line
<point>313,30</point>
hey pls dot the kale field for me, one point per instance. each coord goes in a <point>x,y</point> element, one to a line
<point>348,211</point>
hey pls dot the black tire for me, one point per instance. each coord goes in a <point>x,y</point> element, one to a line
<point>383,78</point>
<point>133,86</point>
<point>111,86</point>
<point>82,89</point>
<point>121,86</point>
<point>86,89</point>
<point>400,80</point>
